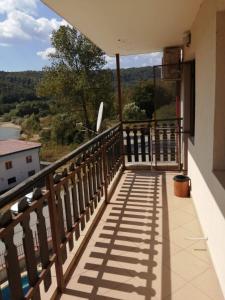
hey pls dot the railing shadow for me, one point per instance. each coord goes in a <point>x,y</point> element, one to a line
<point>127,246</point>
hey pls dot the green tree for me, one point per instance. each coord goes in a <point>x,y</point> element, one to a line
<point>65,130</point>
<point>132,112</point>
<point>147,97</point>
<point>75,78</point>
<point>31,125</point>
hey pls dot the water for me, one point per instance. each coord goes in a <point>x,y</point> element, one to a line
<point>9,133</point>
<point>25,286</point>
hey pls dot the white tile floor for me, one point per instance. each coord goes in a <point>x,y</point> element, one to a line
<point>143,247</point>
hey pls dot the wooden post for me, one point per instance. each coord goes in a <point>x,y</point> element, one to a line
<point>119,87</point>
<point>120,106</point>
<point>105,172</point>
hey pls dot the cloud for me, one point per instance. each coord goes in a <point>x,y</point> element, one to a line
<point>130,61</point>
<point>21,22</point>
<point>28,6</point>
<point>45,53</point>
<point>21,26</point>
<point>110,62</point>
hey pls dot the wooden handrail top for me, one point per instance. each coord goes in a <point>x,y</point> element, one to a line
<point>152,121</point>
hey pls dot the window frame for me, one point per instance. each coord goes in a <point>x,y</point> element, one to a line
<point>29,159</point>
<point>10,179</point>
<point>8,165</point>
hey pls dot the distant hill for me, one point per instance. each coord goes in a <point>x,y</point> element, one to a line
<point>132,76</point>
<point>16,87</point>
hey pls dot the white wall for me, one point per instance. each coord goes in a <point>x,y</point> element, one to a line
<point>20,167</point>
<point>207,190</point>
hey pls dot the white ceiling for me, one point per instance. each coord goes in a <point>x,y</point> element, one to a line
<point>129,26</point>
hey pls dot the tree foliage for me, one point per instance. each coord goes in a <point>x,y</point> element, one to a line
<point>75,78</point>
<point>31,125</point>
<point>132,112</point>
<point>147,97</point>
<point>65,130</point>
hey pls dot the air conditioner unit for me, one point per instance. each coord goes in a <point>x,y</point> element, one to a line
<point>171,69</point>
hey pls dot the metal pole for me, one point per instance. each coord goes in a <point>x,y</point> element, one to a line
<point>120,107</point>
<point>119,87</point>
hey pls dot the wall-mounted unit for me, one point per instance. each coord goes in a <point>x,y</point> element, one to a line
<point>171,69</point>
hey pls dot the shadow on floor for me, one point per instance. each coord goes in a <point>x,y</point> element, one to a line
<point>126,247</point>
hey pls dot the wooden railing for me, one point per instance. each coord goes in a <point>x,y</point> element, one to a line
<point>155,143</point>
<point>74,189</point>
<point>68,197</point>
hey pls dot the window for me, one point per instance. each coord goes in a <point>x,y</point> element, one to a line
<point>8,164</point>
<point>29,159</point>
<point>11,180</point>
<point>30,173</point>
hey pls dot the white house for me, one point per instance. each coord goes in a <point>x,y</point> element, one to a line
<point>18,160</point>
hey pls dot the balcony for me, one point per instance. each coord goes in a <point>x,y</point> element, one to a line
<point>105,225</point>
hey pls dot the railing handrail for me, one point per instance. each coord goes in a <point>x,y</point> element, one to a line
<point>152,120</point>
<point>9,196</point>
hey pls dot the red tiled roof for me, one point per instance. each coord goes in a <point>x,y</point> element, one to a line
<point>13,146</point>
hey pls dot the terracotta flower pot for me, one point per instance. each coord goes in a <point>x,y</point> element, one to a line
<point>181,186</point>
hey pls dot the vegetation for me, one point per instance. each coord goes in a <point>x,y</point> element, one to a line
<point>75,79</point>
<point>31,125</point>
<point>133,112</point>
<point>58,104</point>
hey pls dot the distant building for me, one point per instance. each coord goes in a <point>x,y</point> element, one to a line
<point>18,160</point>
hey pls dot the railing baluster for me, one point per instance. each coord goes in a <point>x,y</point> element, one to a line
<point>129,157</point>
<point>11,259</point>
<point>43,245</point>
<point>105,173</point>
<point>165,142</point>
<point>101,170</point>
<point>94,179</point>
<point>90,187</point>
<point>157,142</point>
<point>143,154</point>
<point>76,215</point>
<point>85,186</point>
<point>60,225</point>
<point>136,154</point>
<point>31,263</point>
<point>98,163</point>
<point>67,204</point>
<point>172,142</point>
<point>80,195</point>
<point>149,138</point>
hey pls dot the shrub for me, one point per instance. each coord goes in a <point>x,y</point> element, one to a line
<point>132,112</point>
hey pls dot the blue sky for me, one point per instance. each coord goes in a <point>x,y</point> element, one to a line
<point>25,29</point>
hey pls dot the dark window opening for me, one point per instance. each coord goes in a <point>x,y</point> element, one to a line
<point>30,173</point>
<point>29,159</point>
<point>11,180</point>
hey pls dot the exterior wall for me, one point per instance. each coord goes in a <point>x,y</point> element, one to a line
<point>208,190</point>
<point>20,167</point>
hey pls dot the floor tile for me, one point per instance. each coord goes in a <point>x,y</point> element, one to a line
<point>187,265</point>
<point>188,292</point>
<point>208,283</point>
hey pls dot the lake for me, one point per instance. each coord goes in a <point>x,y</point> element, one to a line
<point>9,133</point>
